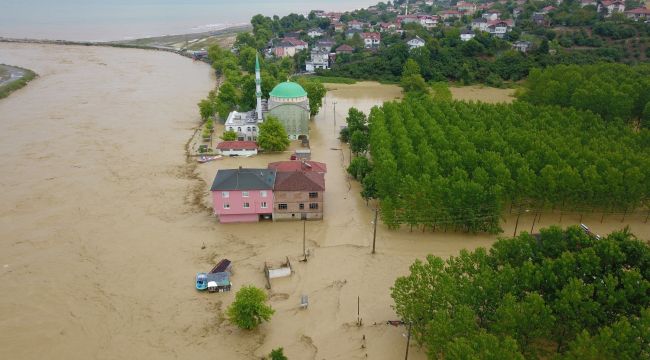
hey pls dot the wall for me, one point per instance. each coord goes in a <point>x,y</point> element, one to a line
<point>236,201</point>
<point>293,199</point>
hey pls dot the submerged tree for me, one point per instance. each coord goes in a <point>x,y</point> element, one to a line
<point>249,308</point>
<point>273,136</point>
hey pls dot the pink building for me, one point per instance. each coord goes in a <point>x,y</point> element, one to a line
<point>243,195</point>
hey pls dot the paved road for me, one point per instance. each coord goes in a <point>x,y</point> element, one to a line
<point>10,74</point>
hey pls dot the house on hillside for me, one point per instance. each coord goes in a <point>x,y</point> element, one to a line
<point>237,148</point>
<point>415,43</point>
<point>540,19</point>
<point>371,40</point>
<point>319,60</point>
<point>467,35</point>
<point>298,195</point>
<point>638,14</point>
<point>584,3</point>
<point>610,7</point>
<point>356,25</point>
<point>466,8</point>
<point>289,47</point>
<point>522,46</point>
<point>450,14</point>
<point>243,195</point>
<point>315,32</point>
<point>480,24</point>
<point>344,49</point>
<point>499,28</point>
<point>324,45</point>
<point>491,15</point>
<point>338,26</point>
<point>387,27</point>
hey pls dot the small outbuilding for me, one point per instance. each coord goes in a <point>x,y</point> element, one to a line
<point>237,148</point>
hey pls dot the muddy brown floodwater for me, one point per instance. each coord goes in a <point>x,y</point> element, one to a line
<point>103,224</point>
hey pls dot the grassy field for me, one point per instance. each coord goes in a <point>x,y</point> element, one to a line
<point>333,79</point>
<point>12,86</point>
<point>224,38</point>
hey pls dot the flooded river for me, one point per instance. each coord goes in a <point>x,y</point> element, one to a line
<point>104,223</point>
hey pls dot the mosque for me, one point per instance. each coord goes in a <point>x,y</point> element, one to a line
<point>288,102</point>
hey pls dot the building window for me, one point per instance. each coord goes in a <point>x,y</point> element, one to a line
<point>313,206</point>
<point>247,205</point>
<point>244,194</point>
<point>313,195</point>
<point>225,194</point>
<point>230,128</point>
<point>248,129</point>
<point>302,206</point>
<point>239,129</point>
<point>254,138</point>
<point>254,129</point>
<point>263,205</point>
<point>263,193</point>
<point>282,207</point>
<point>226,206</point>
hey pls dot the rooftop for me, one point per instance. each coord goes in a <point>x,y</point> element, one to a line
<point>243,179</point>
<point>237,145</point>
<point>288,90</point>
<point>299,181</point>
<point>297,165</point>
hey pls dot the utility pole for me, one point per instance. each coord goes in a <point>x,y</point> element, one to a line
<point>334,116</point>
<point>304,232</point>
<point>374,233</point>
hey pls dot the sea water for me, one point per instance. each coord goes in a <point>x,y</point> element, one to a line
<point>106,20</point>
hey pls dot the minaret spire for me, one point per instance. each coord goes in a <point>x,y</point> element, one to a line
<point>258,88</point>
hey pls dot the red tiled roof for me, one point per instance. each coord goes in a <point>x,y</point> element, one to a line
<point>297,165</point>
<point>237,145</point>
<point>344,47</point>
<point>371,35</point>
<point>295,42</point>
<point>299,181</point>
<point>638,11</point>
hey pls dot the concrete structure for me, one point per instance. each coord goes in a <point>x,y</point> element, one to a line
<point>289,103</point>
<point>246,124</point>
<point>415,43</point>
<point>237,148</point>
<point>298,195</point>
<point>243,195</point>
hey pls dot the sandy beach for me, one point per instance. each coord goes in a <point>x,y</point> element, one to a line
<point>104,223</point>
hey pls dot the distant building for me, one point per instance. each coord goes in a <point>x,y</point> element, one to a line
<point>584,3</point>
<point>297,165</point>
<point>466,8</point>
<point>349,34</point>
<point>371,39</point>
<point>480,24</point>
<point>324,45</point>
<point>638,14</point>
<point>319,60</point>
<point>243,195</point>
<point>289,103</point>
<point>610,7</point>
<point>344,49</point>
<point>540,19</point>
<point>491,15</point>
<point>245,124</point>
<point>356,25</point>
<point>316,32</point>
<point>499,28</point>
<point>289,47</point>
<point>387,27</point>
<point>450,14</point>
<point>467,35</point>
<point>522,46</point>
<point>237,148</point>
<point>415,43</point>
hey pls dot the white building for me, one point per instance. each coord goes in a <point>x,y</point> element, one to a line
<point>316,32</point>
<point>371,39</point>
<point>415,43</point>
<point>467,35</point>
<point>319,60</point>
<point>246,124</point>
<point>237,148</point>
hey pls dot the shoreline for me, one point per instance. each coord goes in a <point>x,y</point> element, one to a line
<point>18,78</point>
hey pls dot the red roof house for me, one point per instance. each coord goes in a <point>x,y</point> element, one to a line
<point>297,165</point>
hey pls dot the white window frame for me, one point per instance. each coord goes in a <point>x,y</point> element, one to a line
<point>225,194</point>
<point>226,206</point>
<point>264,205</point>
<point>247,205</point>
<point>263,193</point>
<point>245,194</point>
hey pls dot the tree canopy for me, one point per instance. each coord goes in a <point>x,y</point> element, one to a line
<point>249,308</point>
<point>273,136</point>
<point>441,164</point>
<point>559,292</point>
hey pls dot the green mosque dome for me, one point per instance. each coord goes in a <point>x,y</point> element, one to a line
<point>288,90</point>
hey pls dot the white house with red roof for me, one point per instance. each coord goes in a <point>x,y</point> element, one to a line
<point>610,7</point>
<point>638,14</point>
<point>289,47</point>
<point>371,39</point>
<point>237,148</point>
<point>499,28</point>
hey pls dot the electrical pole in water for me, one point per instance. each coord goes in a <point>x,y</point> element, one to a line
<point>408,343</point>
<point>374,233</point>
<point>304,232</point>
<point>334,116</point>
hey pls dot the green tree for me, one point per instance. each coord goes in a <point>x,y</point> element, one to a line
<point>227,99</point>
<point>315,92</point>
<point>206,109</point>
<point>273,136</point>
<point>249,309</point>
<point>412,81</point>
<point>278,354</point>
<point>359,142</point>
<point>229,136</point>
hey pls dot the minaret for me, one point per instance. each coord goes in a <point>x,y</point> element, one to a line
<point>258,88</point>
